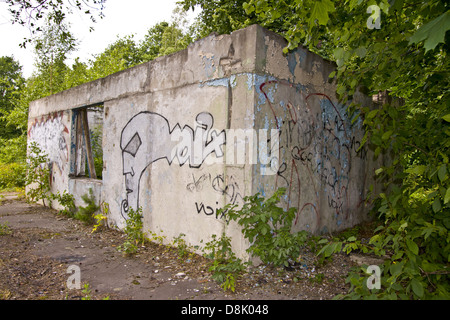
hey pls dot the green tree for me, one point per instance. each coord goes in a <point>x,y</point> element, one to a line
<point>52,49</point>
<point>11,86</point>
<point>173,40</point>
<point>120,55</point>
<point>77,74</point>
<point>219,16</point>
<point>163,39</point>
<point>151,45</point>
<point>11,82</point>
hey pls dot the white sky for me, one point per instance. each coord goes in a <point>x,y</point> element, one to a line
<point>121,18</point>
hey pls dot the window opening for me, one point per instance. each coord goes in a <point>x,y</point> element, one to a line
<point>87,142</point>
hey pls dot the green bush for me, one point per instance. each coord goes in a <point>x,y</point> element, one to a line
<point>38,174</point>
<point>66,200</point>
<point>86,214</point>
<point>12,175</point>
<point>225,266</point>
<point>267,226</point>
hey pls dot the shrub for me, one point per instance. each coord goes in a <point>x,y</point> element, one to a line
<point>38,174</point>
<point>225,266</point>
<point>133,230</point>
<point>267,226</point>
<point>86,214</point>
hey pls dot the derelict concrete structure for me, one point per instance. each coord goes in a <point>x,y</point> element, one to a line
<point>175,130</point>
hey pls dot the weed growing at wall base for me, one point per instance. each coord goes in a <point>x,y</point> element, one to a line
<point>86,214</point>
<point>225,266</point>
<point>38,174</point>
<point>67,200</point>
<point>101,217</point>
<point>267,227</point>
<point>183,249</point>
<point>133,230</point>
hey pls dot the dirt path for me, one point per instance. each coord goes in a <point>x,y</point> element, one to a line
<point>38,246</point>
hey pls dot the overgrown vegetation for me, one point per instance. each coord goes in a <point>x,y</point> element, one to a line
<point>101,217</point>
<point>66,200</point>
<point>267,227</point>
<point>181,246</point>
<point>133,231</point>
<point>38,181</point>
<point>12,176</point>
<point>87,213</point>
<point>225,266</point>
<point>38,175</point>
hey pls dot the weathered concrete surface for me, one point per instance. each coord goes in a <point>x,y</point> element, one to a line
<point>326,175</point>
<point>158,115</point>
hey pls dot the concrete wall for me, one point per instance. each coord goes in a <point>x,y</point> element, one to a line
<point>158,115</point>
<point>326,175</point>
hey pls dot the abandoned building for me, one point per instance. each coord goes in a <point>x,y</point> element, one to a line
<point>185,134</point>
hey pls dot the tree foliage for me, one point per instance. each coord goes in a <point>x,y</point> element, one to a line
<point>11,82</point>
<point>11,85</point>
<point>165,38</point>
<point>31,13</point>
<point>52,48</point>
<point>217,16</point>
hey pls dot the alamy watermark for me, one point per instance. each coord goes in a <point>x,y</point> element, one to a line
<point>243,146</point>
<point>74,280</point>
<point>374,281</point>
<point>374,21</point>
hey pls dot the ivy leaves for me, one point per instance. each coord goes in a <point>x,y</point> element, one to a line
<point>433,32</point>
<point>320,13</point>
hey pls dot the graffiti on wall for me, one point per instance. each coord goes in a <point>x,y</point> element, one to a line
<point>223,185</point>
<point>51,134</point>
<point>318,147</point>
<point>148,137</point>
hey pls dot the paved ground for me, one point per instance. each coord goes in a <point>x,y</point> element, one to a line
<point>38,246</point>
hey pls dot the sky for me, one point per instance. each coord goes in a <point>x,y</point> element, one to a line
<point>121,18</point>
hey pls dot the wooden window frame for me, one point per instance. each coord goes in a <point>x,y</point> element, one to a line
<point>81,145</point>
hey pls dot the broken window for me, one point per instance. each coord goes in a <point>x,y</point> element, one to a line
<point>87,146</point>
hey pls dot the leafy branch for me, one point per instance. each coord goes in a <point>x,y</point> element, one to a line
<point>30,12</point>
